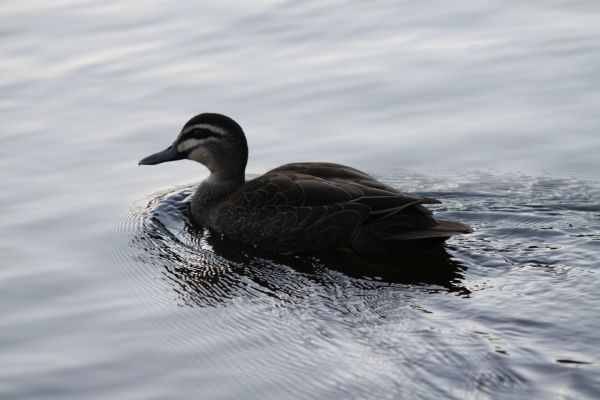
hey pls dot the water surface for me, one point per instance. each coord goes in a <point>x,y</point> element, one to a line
<point>507,311</point>
<point>106,291</point>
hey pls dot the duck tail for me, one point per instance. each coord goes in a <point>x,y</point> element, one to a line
<point>443,229</point>
<point>449,227</point>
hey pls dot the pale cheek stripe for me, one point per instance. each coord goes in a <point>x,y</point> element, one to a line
<point>189,144</point>
<point>212,128</point>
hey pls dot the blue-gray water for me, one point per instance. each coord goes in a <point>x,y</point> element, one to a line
<point>107,292</point>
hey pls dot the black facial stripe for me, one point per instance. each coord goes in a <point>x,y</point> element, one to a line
<point>200,133</point>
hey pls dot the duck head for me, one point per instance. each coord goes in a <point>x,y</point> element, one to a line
<point>214,140</point>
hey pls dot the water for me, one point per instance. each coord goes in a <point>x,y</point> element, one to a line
<point>106,291</point>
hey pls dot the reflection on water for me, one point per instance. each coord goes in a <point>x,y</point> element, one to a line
<point>475,310</point>
<point>204,268</point>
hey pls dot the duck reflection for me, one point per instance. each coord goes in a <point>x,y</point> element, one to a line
<point>205,269</point>
<point>424,262</point>
<point>211,270</point>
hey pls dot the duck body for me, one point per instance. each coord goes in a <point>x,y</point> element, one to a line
<point>301,206</point>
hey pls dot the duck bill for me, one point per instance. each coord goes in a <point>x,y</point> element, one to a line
<point>169,154</point>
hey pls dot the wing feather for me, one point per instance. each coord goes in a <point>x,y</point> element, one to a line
<point>319,206</point>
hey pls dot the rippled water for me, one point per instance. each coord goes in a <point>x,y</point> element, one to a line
<point>106,291</point>
<point>510,310</point>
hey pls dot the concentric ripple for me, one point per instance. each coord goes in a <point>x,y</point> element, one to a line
<point>490,314</point>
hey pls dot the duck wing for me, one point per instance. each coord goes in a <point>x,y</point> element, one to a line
<point>332,171</point>
<point>382,199</point>
<point>307,206</point>
<point>290,212</point>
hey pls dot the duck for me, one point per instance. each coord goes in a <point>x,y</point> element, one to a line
<point>301,206</point>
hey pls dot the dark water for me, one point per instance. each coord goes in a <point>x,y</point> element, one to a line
<point>106,291</point>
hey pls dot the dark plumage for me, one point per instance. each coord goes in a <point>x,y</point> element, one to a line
<point>300,206</point>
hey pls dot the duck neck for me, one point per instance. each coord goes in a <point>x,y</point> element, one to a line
<point>218,186</point>
<point>211,192</point>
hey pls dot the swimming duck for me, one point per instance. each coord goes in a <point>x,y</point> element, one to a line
<point>299,206</point>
